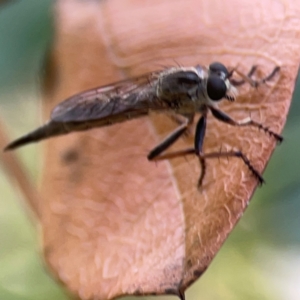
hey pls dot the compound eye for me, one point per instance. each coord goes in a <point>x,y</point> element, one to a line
<point>218,68</point>
<point>216,87</point>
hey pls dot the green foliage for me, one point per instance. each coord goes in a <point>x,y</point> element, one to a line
<point>25,33</point>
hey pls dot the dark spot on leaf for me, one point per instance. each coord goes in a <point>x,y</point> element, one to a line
<point>137,292</point>
<point>198,273</point>
<point>189,263</point>
<point>70,156</point>
<point>171,291</point>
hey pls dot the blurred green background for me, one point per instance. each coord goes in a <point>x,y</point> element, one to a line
<point>261,258</point>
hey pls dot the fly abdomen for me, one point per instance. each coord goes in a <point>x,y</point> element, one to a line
<point>48,130</point>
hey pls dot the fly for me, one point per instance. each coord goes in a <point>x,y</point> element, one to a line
<point>178,91</point>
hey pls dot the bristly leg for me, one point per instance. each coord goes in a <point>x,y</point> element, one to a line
<point>203,156</point>
<point>197,150</point>
<point>171,139</point>
<point>238,154</point>
<point>203,171</point>
<point>242,81</point>
<point>277,136</point>
<point>221,116</point>
<point>271,75</point>
<point>247,78</point>
<point>198,144</point>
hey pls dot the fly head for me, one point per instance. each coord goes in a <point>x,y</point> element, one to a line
<point>218,84</point>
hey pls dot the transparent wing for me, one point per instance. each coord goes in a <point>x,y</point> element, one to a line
<point>129,97</point>
<point>98,107</point>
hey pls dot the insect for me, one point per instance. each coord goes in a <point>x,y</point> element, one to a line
<point>180,92</point>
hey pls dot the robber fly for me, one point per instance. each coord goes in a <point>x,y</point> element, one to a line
<point>176,91</point>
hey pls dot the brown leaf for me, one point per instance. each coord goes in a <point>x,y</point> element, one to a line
<point>114,223</point>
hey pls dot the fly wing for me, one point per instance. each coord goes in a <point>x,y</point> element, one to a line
<point>98,107</point>
<point>134,96</point>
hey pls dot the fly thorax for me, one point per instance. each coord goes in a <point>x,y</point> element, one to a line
<point>179,87</point>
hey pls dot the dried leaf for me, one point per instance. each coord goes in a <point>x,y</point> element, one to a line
<point>114,223</point>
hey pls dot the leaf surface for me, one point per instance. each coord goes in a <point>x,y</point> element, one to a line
<point>115,224</point>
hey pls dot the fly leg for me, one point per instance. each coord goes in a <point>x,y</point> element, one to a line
<point>171,139</point>
<point>221,116</point>
<point>247,78</point>
<point>180,120</point>
<point>197,150</point>
<point>204,156</point>
<point>242,81</point>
